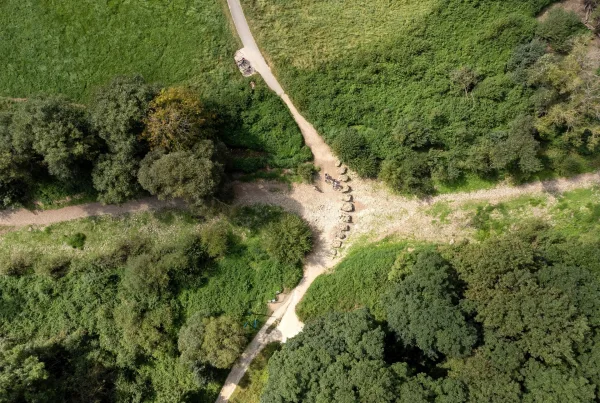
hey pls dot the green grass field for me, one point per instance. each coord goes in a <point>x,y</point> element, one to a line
<point>69,47</point>
<point>357,281</point>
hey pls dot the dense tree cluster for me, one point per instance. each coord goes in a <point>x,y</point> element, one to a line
<point>143,318</point>
<point>133,137</point>
<point>516,318</point>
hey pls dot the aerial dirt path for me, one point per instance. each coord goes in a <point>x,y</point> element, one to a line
<point>23,217</point>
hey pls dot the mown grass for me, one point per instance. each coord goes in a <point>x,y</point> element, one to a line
<point>69,47</point>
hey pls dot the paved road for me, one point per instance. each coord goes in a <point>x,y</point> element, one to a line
<point>250,49</point>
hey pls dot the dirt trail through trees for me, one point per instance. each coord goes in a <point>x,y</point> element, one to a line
<point>377,212</point>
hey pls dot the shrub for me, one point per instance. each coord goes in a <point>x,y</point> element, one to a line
<point>288,239</point>
<point>54,266</point>
<point>76,241</point>
<point>17,264</point>
<point>352,148</point>
<point>215,238</point>
<point>559,27</point>
<point>114,178</point>
<point>408,173</point>
<point>190,339</point>
<point>307,172</point>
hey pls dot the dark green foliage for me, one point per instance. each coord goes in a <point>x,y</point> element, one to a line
<point>118,110</point>
<point>423,309</point>
<point>516,316</point>
<point>352,148</point>
<point>408,173</point>
<point>76,241</point>
<point>307,172</point>
<point>58,132</point>
<point>190,175</point>
<point>558,27</point>
<point>339,357</point>
<point>114,177</point>
<point>523,57</point>
<point>20,368</point>
<point>108,323</point>
<point>514,151</point>
<point>288,240</point>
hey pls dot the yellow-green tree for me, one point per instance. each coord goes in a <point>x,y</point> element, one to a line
<point>176,121</point>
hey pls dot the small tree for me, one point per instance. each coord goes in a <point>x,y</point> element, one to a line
<point>181,174</point>
<point>464,78</point>
<point>288,239</point>
<point>176,120</point>
<point>224,341</point>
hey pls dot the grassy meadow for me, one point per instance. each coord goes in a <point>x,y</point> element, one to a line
<point>69,47</point>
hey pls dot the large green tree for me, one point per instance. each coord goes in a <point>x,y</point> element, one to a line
<point>192,175</point>
<point>338,358</point>
<point>58,132</point>
<point>118,111</point>
<point>423,309</point>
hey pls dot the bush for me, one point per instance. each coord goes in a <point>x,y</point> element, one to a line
<point>54,266</point>
<point>76,241</point>
<point>352,148</point>
<point>288,239</point>
<point>408,173</point>
<point>17,264</point>
<point>558,27</point>
<point>114,177</point>
<point>215,238</point>
<point>307,172</point>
